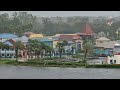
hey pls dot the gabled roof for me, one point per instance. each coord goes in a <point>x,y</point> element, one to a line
<point>8,35</point>
<point>28,33</point>
<point>68,37</point>
<point>103,39</point>
<point>9,42</point>
<point>24,39</point>
<point>36,36</point>
<point>106,44</point>
<point>12,41</point>
<point>87,30</point>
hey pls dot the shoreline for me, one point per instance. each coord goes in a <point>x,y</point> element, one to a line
<point>57,64</point>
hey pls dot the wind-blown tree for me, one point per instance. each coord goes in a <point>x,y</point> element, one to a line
<point>64,43</point>
<point>60,47</point>
<point>49,50</point>
<point>37,47</point>
<point>31,47</point>
<point>72,49</point>
<point>88,48</point>
<point>18,45</point>
<point>21,22</point>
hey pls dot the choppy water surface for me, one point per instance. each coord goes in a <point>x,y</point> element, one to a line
<point>26,72</point>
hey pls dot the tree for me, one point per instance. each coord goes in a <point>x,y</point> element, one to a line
<point>37,47</point>
<point>60,48</point>
<point>73,48</point>
<point>18,45</point>
<point>49,50</point>
<point>87,47</point>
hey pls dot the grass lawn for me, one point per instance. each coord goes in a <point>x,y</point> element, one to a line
<point>6,61</point>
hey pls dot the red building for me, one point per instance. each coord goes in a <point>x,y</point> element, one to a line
<point>28,34</point>
<point>69,37</point>
<point>87,33</point>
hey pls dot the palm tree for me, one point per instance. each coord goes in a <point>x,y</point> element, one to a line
<point>1,46</point>
<point>49,50</point>
<point>60,48</point>
<point>18,46</point>
<point>87,47</point>
<point>73,47</point>
<point>65,42</point>
<point>37,47</point>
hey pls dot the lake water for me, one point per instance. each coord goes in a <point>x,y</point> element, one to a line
<point>27,72</point>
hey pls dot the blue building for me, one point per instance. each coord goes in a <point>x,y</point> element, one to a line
<point>46,41</point>
<point>7,36</point>
<point>8,53</point>
<point>9,39</point>
<point>101,51</point>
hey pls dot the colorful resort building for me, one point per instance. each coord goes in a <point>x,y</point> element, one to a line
<point>10,52</point>
<point>74,42</point>
<point>35,36</point>
<point>27,34</point>
<point>10,39</point>
<point>87,34</point>
<point>115,58</point>
<point>109,49</point>
<point>104,47</point>
<point>46,41</point>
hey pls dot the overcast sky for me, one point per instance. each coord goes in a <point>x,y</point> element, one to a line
<point>70,13</point>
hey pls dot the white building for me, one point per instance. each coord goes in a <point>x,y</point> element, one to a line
<point>113,59</point>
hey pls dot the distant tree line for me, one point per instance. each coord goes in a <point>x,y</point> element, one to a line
<point>21,22</point>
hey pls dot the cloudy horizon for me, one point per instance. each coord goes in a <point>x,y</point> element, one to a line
<point>69,13</point>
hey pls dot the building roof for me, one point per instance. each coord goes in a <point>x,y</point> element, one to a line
<point>45,39</point>
<point>103,39</point>
<point>24,39</point>
<point>10,42</point>
<point>8,36</point>
<point>109,44</point>
<point>16,39</point>
<point>63,34</point>
<point>57,34</point>
<point>28,33</point>
<point>117,44</point>
<point>87,30</point>
<point>69,37</point>
<point>36,36</point>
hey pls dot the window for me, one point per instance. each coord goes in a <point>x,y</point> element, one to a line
<point>8,54</point>
<point>3,54</point>
<point>111,61</point>
<point>11,49</point>
<point>114,61</point>
<point>7,49</point>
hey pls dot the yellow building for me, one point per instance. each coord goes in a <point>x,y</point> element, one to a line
<point>36,36</point>
<point>63,34</point>
<point>55,44</point>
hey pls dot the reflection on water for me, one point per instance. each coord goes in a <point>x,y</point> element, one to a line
<point>26,72</point>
